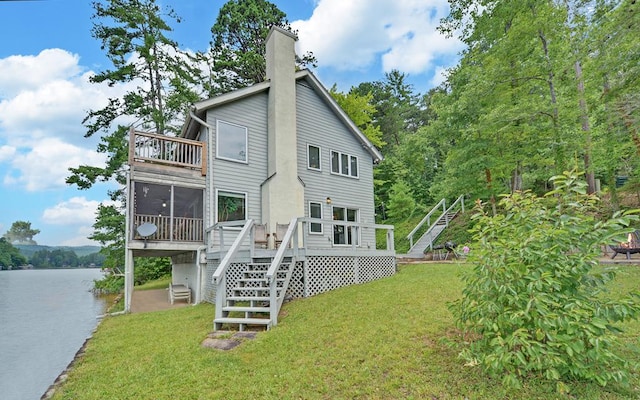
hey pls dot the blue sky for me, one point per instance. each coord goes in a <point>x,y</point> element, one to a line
<point>47,55</point>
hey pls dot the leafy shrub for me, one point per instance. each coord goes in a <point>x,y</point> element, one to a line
<point>533,303</point>
<point>148,269</point>
<point>110,284</point>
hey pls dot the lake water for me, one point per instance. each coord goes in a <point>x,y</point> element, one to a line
<point>45,317</point>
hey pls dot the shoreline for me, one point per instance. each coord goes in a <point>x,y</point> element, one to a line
<point>62,377</point>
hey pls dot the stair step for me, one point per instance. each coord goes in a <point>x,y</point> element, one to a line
<point>248,298</point>
<point>246,321</point>
<point>246,309</point>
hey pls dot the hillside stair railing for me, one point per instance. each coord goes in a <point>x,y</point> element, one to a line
<point>441,216</point>
<point>150,148</point>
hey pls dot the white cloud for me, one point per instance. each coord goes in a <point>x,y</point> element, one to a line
<point>6,153</point>
<point>439,76</point>
<point>75,211</point>
<point>80,239</point>
<point>30,72</point>
<point>54,103</point>
<point>352,35</point>
<point>78,215</point>
<point>46,165</point>
<point>43,100</point>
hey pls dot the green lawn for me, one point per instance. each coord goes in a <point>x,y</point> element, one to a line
<point>381,340</point>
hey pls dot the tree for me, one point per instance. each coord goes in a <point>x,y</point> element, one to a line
<point>57,258</point>
<point>238,44</point>
<point>533,303</point>
<point>134,35</point>
<point>401,204</point>
<point>398,110</point>
<point>9,255</point>
<point>21,233</point>
<point>360,110</point>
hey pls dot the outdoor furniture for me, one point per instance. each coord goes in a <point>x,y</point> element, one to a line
<point>179,291</point>
<point>631,246</point>
<point>261,237</point>
<point>443,251</point>
<point>281,230</point>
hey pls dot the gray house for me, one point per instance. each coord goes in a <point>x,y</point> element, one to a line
<point>267,194</point>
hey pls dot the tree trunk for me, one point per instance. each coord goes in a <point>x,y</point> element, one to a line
<point>559,156</point>
<point>584,118</point>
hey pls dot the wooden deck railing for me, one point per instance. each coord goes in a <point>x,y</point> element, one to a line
<point>167,150</point>
<point>179,230</point>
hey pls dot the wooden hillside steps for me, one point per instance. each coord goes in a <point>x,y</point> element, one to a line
<point>248,306</point>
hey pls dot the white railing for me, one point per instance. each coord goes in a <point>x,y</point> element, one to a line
<point>427,220</point>
<point>220,274</point>
<point>178,229</point>
<point>167,150</point>
<point>443,219</point>
<point>275,301</point>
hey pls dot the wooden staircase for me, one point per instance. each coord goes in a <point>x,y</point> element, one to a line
<point>249,304</point>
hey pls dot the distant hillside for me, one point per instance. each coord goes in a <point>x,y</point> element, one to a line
<point>28,250</point>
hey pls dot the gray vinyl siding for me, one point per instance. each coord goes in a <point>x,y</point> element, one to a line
<point>231,176</point>
<point>319,126</point>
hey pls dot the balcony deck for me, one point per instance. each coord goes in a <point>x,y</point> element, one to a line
<point>147,149</point>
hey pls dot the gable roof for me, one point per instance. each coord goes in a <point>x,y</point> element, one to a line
<point>197,116</point>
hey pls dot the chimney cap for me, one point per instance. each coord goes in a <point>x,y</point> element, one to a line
<point>282,31</point>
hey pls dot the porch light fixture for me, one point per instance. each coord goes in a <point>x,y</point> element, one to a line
<point>328,200</point>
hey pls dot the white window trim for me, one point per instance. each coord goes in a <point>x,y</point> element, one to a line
<point>359,236</point>
<point>246,141</point>
<point>340,154</point>
<point>321,213</point>
<point>319,157</point>
<point>246,202</point>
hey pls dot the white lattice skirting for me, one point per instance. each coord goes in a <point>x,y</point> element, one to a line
<point>317,274</point>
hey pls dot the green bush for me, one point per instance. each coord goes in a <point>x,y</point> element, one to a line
<point>533,306</point>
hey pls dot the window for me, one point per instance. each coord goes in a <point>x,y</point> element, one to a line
<point>231,142</point>
<point>313,157</point>
<point>344,164</point>
<point>315,211</point>
<point>231,206</point>
<point>342,234</point>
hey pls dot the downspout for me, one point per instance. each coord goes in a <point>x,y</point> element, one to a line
<point>199,120</point>
<point>211,205</point>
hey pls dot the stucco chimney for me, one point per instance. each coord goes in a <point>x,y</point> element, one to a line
<point>283,194</point>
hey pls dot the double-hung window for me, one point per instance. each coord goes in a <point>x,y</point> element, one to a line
<point>232,206</point>
<point>343,234</point>
<point>344,164</point>
<point>315,211</point>
<point>231,142</point>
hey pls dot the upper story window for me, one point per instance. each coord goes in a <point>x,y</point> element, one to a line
<point>344,164</point>
<point>313,157</point>
<point>231,142</point>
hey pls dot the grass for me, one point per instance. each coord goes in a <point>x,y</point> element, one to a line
<point>381,340</point>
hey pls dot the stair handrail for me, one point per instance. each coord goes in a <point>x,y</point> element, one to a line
<point>220,275</point>
<point>427,219</point>
<point>445,216</point>
<point>271,275</point>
